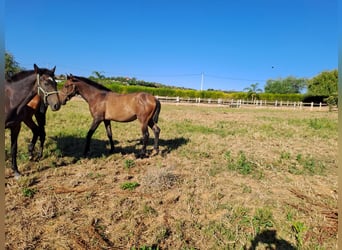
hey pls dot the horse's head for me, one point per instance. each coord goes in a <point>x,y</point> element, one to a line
<point>47,87</point>
<point>68,90</point>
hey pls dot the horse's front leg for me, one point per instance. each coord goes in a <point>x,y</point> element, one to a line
<point>41,120</point>
<point>90,133</point>
<point>42,136</point>
<point>14,149</point>
<point>109,134</point>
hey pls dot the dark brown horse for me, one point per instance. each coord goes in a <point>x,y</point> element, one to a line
<point>106,105</point>
<point>19,91</point>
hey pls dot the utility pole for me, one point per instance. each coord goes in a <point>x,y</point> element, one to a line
<point>202,80</point>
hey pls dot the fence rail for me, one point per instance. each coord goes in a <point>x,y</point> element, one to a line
<point>232,103</point>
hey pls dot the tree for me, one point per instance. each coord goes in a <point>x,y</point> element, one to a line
<point>324,84</point>
<point>252,91</point>
<point>11,65</point>
<point>98,75</point>
<point>288,85</point>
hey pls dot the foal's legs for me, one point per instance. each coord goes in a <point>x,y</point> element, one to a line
<point>156,131</point>
<point>109,134</point>
<point>35,131</point>
<point>90,133</point>
<point>145,136</point>
<point>38,131</point>
<point>14,148</point>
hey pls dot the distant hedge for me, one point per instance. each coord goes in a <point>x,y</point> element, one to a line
<point>206,94</point>
<point>188,93</point>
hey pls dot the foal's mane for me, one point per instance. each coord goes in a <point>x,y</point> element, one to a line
<point>92,83</point>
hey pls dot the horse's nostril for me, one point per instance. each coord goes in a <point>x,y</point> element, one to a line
<point>56,106</point>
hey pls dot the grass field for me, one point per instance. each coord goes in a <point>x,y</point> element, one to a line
<point>247,178</point>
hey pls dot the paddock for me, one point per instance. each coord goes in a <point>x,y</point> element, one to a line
<point>225,177</point>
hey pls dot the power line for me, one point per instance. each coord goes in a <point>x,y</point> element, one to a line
<point>235,78</point>
<point>77,68</point>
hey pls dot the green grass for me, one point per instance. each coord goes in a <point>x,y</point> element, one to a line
<point>129,185</point>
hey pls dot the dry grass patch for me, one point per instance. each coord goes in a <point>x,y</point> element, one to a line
<point>224,178</point>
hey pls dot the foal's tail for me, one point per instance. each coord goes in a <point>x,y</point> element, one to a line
<point>156,111</point>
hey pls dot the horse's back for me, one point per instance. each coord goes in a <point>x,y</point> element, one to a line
<point>128,107</point>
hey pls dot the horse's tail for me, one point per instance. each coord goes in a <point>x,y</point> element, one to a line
<point>156,111</point>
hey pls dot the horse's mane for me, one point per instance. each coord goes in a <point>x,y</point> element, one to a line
<point>25,73</point>
<point>92,83</point>
<point>20,75</point>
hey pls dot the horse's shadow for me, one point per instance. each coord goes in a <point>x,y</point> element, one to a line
<point>269,237</point>
<point>71,146</point>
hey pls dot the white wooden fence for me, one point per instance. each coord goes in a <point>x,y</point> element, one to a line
<point>232,103</point>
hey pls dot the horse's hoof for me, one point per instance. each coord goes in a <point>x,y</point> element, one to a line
<point>142,155</point>
<point>17,175</point>
<point>155,152</point>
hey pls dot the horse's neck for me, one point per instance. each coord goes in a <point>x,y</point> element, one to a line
<point>18,94</point>
<point>26,84</point>
<point>87,91</point>
<point>23,90</point>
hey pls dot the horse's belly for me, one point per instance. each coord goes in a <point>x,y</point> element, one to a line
<point>120,109</point>
<point>120,116</point>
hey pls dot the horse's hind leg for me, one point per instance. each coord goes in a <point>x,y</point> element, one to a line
<point>14,149</point>
<point>109,134</point>
<point>145,136</point>
<point>156,131</point>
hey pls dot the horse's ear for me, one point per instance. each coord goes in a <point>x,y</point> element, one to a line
<point>36,69</point>
<point>53,70</point>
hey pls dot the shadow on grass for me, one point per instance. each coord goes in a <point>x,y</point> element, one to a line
<point>269,237</point>
<point>71,146</point>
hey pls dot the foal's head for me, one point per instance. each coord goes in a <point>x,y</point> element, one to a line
<point>69,89</point>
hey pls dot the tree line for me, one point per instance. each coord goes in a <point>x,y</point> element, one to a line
<point>321,88</point>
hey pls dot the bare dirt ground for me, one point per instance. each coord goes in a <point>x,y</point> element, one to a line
<point>225,179</point>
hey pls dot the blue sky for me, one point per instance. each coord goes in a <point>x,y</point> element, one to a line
<point>233,43</point>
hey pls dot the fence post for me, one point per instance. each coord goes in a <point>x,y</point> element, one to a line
<point>312,104</point>
<point>276,103</point>
<point>320,106</point>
